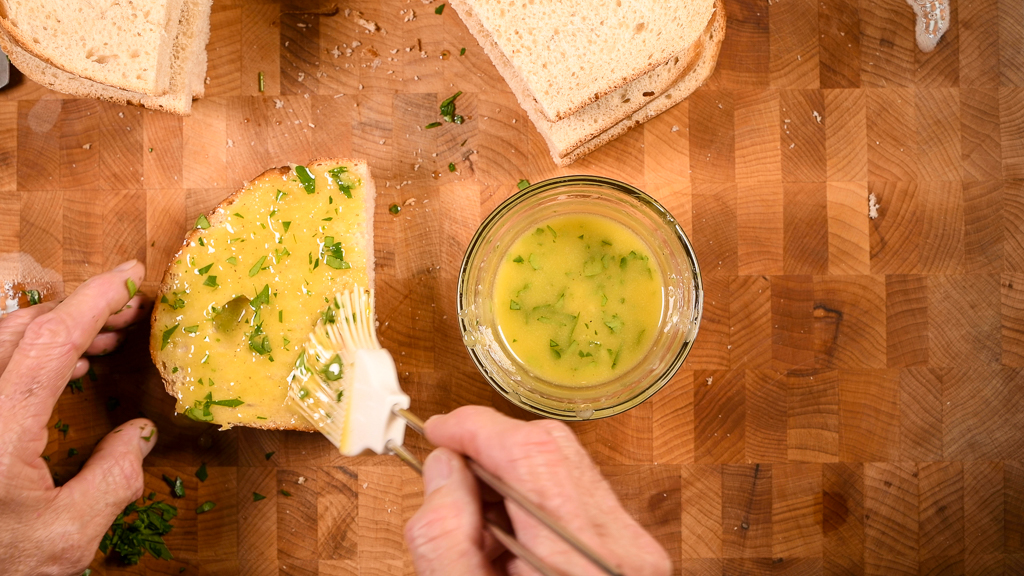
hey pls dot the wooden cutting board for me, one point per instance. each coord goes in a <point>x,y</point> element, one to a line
<point>854,402</point>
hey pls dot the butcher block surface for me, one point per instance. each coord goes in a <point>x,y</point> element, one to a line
<point>854,403</point>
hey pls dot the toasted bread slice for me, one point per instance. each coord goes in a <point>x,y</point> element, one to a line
<point>127,44</point>
<point>188,69</point>
<point>568,53</point>
<point>700,73</point>
<point>241,296</point>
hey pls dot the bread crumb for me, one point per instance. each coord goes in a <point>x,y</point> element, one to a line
<point>708,380</point>
<point>231,143</point>
<point>87,145</point>
<point>816,116</point>
<point>675,128</point>
<point>872,206</point>
<point>335,52</point>
<point>278,103</point>
<point>409,202</point>
<point>120,114</point>
<point>301,480</point>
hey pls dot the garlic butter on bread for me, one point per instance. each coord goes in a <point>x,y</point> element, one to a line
<point>253,277</point>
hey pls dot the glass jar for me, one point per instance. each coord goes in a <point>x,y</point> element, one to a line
<point>681,307</point>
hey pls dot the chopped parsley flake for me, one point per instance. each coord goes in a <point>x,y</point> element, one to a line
<point>205,507</point>
<point>33,297</point>
<point>132,288</point>
<point>336,174</point>
<point>177,486</point>
<point>394,209</point>
<point>523,184</point>
<point>211,281</point>
<point>256,496</point>
<point>257,266</point>
<point>448,106</point>
<point>201,473</point>
<point>439,10</point>
<point>308,180</point>
<point>202,271</point>
<point>166,339</point>
<point>202,223</point>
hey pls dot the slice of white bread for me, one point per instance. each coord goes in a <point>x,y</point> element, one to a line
<point>127,44</point>
<point>188,68</point>
<point>573,131</point>
<point>700,73</point>
<point>569,53</point>
<point>286,247</point>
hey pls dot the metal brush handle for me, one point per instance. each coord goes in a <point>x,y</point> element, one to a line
<point>510,493</point>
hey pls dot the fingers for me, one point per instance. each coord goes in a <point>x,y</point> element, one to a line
<point>110,479</point>
<point>477,430</point>
<point>12,329</point>
<point>51,345</point>
<point>136,309</point>
<point>81,369</point>
<point>104,343</point>
<point>546,462</point>
<point>445,536</point>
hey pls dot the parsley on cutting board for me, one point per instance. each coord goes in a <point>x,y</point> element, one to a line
<point>132,539</point>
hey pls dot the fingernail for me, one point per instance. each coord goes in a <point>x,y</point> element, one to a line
<point>147,438</point>
<point>436,471</point>
<point>125,266</point>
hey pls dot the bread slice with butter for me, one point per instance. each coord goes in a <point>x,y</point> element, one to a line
<point>241,296</point>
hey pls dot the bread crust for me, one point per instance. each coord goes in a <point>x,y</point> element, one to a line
<point>59,80</point>
<point>591,121</point>
<point>515,79</point>
<point>15,35</point>
<point>216,216</point>
<point>705,67</point>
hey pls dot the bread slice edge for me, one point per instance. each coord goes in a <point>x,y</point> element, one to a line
<point>217,215</point>
<point>704,69</point>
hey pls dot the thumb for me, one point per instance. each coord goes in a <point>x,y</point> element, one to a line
<point>110,479</point>
<point>446,535</point>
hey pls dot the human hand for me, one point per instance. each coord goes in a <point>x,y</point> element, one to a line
<point>543,460</point>
<point>43,529</point>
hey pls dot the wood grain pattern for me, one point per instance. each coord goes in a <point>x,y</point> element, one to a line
<point>854,403</point>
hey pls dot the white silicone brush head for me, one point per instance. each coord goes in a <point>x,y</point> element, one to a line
<point>345,383</point>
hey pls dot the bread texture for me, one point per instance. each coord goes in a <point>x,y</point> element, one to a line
<point>127,44</point>
<point>695,79</point>
<point>188,67</point>
<point>176,380</point>
<point>570,53</point>
<point>572,132</point>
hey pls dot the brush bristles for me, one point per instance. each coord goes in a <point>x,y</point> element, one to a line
<point>330,353</point>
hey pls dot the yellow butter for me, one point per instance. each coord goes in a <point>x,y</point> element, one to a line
<point>286,251</point>
<point>578,300</point>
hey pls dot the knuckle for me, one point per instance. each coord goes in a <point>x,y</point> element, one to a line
<point>428,527</point>
<point>127,476</point>
<point>534,442</point>
<point>49,336</point>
